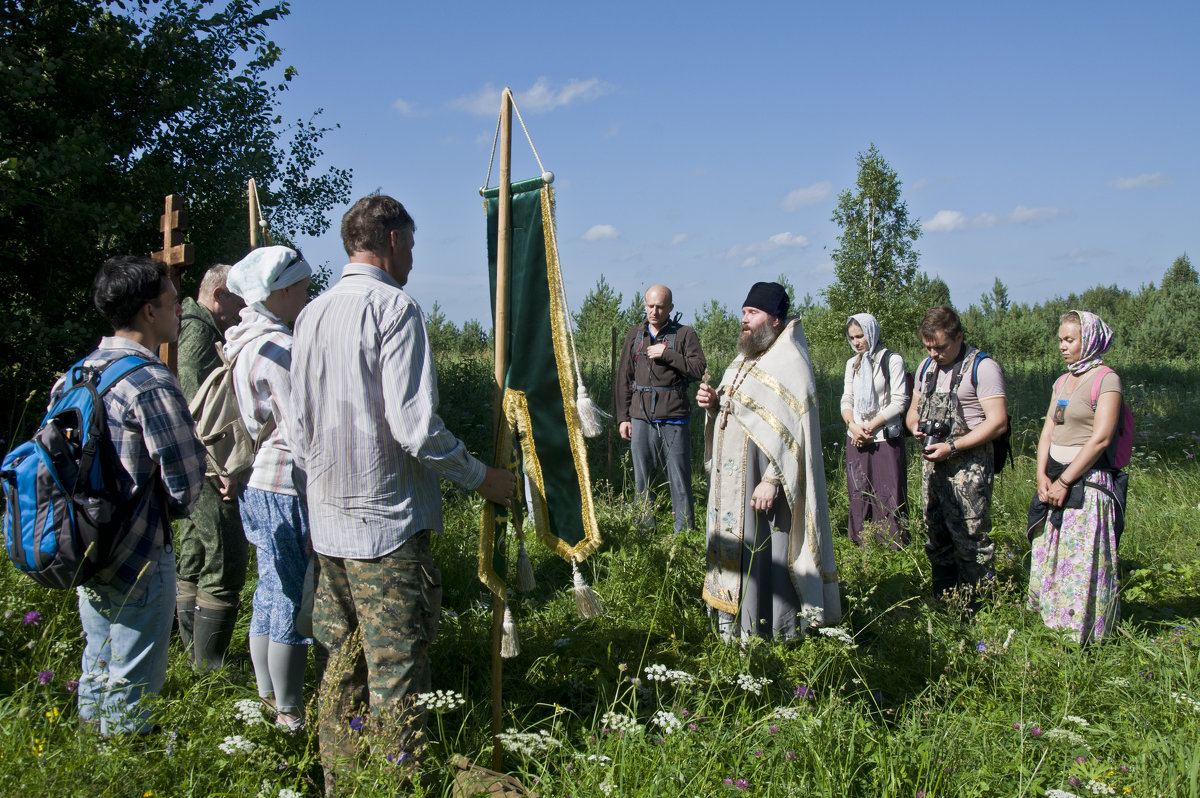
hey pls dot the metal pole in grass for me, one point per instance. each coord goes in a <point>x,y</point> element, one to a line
<point>503,259</point>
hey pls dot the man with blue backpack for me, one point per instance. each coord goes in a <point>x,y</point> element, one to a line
<point>959,417</point>
<point>127,607</point>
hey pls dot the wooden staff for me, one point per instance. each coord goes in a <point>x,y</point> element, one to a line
<point>503,258</point>
<point>255,212</point>
<point>176,255</point>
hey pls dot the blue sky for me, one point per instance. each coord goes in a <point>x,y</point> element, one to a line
<point>703,145</point>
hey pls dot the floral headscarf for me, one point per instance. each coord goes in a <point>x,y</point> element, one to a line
<point>1096,338</point>
<point>866,404</point>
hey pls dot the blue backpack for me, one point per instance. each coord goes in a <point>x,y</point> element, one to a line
<point>64,510</point>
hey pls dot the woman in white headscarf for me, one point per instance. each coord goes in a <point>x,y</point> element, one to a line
<point>874,401</point>
<point>274,283</point>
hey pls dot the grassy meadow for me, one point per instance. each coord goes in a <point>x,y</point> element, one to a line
<point>905,698</point>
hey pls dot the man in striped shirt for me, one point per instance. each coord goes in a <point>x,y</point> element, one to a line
<point>369,438</point>
<point>127,608</point>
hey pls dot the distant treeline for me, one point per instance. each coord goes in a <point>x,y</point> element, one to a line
<point>1153,323</point>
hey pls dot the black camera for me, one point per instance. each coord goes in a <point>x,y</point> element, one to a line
<point>935,431</point>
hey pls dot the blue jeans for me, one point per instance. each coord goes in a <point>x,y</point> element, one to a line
<point>125,656</point>
<point>277,525</point>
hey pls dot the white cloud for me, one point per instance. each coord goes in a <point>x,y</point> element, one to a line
<point>679,239</point>
<point>788,240</point>
<point>1150,180</point>
<point>948,221</point>
<point>601,232</point>
<point>810,195</point>
<point>404,107</point>
<point>754,253</point>
<point>541,97</point>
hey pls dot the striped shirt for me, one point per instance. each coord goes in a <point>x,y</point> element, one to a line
<point>151,428</point>
<point>261,379</point>
<point>366,428</point>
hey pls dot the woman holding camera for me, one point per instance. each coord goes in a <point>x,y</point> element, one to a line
<point>874,399</point>
<point>1073,571</point>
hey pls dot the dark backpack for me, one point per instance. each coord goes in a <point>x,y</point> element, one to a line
<point>64,510</point>
<point>1001,446</point>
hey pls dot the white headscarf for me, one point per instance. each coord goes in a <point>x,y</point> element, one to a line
<point>264,270</point>
<point>866,405</point>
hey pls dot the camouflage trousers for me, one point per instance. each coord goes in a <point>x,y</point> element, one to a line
<point>211,549</point>
<point>376,619</point>
<point>957,496</point>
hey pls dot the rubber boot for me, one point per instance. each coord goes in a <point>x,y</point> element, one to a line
<point>945,577</point>
<point>185,613</point>
<point>212,631</point>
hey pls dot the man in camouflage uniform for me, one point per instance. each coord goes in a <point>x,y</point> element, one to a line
<point>210,547</point>
<point>368,436</point>
<point>959,410</point>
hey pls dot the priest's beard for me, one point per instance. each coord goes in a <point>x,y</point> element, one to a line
<point>756,340</point>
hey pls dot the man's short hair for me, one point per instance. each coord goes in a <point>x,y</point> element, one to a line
<point>213,279</point>
<point>941,319</point>
<point>370,221</point>
<point>124,285</point>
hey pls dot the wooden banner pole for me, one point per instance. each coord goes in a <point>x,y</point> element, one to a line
<point>503,260</point>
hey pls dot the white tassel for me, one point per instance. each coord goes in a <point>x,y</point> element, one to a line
<point>510,644</point>
<point>525,581</point>
<point>586,601</point>
<point>590,414</point>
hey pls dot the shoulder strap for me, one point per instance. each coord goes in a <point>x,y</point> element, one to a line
<point>113,372</point>
<point>1101,373</point>
<point>1058,383</point>
<point>979,355</point>
<point>924,367</point>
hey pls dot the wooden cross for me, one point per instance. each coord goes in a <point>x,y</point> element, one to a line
<point>176,255</point>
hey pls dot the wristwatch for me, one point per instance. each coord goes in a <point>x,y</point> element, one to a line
<point>953,448</point>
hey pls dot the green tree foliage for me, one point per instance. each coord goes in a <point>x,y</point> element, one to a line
<point>106,108</point>
<point>875,261</point>
<point>717,328</point>
<point>1180,275</point>
<point>599,315</point>
<point>443,334</point>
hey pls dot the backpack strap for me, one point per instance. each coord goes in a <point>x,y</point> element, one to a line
<point>107,375</point>
<point>1058,383</point>
<point>979,355</point>
<point>1101,373</point>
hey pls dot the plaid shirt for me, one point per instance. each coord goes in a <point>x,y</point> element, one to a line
<point>150,427</point>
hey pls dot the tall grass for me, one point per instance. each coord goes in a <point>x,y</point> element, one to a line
<point>908,697</point>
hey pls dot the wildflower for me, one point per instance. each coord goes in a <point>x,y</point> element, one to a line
<point>728,781</point>
<point>601,758</point>
<point>357,723</point>
<point>1099,788</point>
<point>31,618</point>
<point>1017,725</point>
<point>440,701</point>
<point>1081,759</point>
<point>660,673</point>
<point>607,787</point>
<point>692,727</point>
<point>804,691</point>
<point>920,794</point>
<point>838,634</point>
<point>1066,734</point>
<point>249,711</point>
<point>772,729</point>
<point>171,742</point>
<point>758,752</point>
<point>1036,731</point>
<point>44,677</point>
<point>667,721</point>
<point>617,722</point>
<point>1060,794</point>
<point>1078,721</point>
<point>751,684</point>
<point>237,744</point>
<point>981,647</point>
<point>72,685</point>
<point>148,794</point>
<point>786,713</point>
<point>396,759</point>
<point>528,744</point>
<point>1008,639</point>
<point>287,792</point>
<point>742,784</point>
<point>789,755</point>
<point>52,714</point>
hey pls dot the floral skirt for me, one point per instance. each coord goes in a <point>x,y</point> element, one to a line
<point>1073,572</point>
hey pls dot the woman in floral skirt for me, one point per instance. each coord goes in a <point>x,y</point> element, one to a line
<point>1073,572</point>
